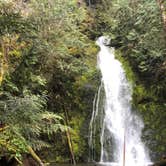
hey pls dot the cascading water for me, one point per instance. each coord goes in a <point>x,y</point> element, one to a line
<point>120,136</point>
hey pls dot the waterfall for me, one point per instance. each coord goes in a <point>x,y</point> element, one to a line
<point>121,128</point>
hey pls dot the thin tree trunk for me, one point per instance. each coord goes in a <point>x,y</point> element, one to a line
<point>163,12</point>
<point>124,150</point>
<point>89,3</point>
<point>3,62</point>
<point>69,138</point>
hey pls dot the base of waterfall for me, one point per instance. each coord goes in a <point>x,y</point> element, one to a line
<point>120,164</point>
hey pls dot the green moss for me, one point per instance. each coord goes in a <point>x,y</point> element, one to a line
<point>77,138</point>
<point>128,70</point>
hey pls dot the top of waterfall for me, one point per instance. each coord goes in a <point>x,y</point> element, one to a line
<point>104,40</point>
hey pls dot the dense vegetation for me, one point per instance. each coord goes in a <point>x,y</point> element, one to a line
<point>48,77</point>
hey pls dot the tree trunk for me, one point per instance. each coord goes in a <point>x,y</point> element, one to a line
<point>163,12</point>
<point>69,138</point>
<point>3,61</point>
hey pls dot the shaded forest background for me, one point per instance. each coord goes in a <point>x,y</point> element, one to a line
<point>48,75</point>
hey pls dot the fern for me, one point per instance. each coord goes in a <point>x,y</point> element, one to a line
<point>27,121</point>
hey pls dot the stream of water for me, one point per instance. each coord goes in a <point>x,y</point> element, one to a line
<point>121,128</point>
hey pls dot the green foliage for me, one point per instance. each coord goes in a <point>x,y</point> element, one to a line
<point>51,71</point>
<point>77,137</point>
<point>141,36</point>
<point>12,144</point>
<point>25,121</point>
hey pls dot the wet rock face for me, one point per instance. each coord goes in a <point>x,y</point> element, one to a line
<point>107,41</point>
<point>162,162</point>
<point>29,161</point>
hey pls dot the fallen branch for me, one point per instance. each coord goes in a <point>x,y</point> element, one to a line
<point>35,156</point>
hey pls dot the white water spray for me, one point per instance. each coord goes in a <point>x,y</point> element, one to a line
<point>121,129</point>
